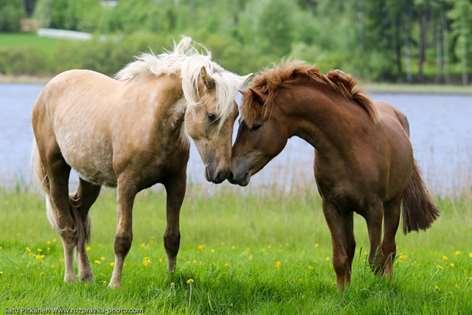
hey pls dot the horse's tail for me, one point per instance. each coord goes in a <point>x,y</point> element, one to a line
<point>419,212</point>
<point>40,178</point>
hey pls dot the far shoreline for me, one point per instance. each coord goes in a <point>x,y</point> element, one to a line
<point>372,87</point>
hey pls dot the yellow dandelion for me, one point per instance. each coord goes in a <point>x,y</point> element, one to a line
<point>317,245</point>
<point>403,257</point>
<point>39,257</point>
<point>102,258</point>
<point>1,273</point>
<point>48,242</point>
<point>97,261</point>
<point>457,253</point>
<point>147,261</point>
<point>470,254</point>
<point>445,258</point>
<point>112,264</point>
<point>451,264</point>
<point>88,248</point>
<point>278,264</point>
<point>200,247</point>
<point>190,281</point>
<point>327,258</point>
<point>212,250</point>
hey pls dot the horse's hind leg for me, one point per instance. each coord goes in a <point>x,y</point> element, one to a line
<point>374,225</point>
<point>391,221</point>
<point>175,188</point>
<point>342,235</point>
<point>81,201</point>
<point>59,210</point>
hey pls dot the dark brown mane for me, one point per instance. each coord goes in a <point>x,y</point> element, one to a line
<point>263,88</point>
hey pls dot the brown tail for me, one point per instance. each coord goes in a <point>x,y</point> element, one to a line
<point>419,212</point>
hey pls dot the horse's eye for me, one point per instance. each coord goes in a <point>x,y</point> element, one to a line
<point>256,126</point>
<point>212,117</point>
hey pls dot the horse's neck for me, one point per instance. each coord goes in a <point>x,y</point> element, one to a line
<point>169,108</point>
<point>324,119</point>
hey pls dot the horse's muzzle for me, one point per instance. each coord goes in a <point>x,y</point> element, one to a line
<point>239,179</point>
<point>217,176</point>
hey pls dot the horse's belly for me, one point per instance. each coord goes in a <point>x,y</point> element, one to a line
<point>90,155</point>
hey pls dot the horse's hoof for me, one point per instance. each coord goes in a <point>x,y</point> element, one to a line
<point>114,285</point>
<point>171,265</point>
<point>70,278</point>
<point>86,277</point>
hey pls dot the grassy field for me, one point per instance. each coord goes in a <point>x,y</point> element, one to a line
<point>240,253</point>
<point>29,41</point>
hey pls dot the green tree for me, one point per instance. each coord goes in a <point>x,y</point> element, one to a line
<point>461,15</point>
<point>11,12</point>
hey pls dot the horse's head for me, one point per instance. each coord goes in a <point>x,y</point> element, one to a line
<point>261,136</point>
<point>209,121</point>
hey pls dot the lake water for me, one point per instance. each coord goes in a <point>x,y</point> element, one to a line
<point>441,127</point>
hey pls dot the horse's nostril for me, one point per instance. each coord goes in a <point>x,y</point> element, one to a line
<point>221,176</point>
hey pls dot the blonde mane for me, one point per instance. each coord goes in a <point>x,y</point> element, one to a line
<point>188,62</point>
<point>269,81</point>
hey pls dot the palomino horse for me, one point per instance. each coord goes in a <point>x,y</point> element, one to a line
<point>130,132</point>
<point>364,161</point>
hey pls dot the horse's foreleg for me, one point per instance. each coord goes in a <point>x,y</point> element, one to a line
<point>81,201</point>
<point>124,230</point>
<point>391,221</point>
<point>175,188</point>
<point>341,227</point>
<point>374,225</point>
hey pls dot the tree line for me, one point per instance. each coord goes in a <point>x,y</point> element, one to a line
<point>390,40</point>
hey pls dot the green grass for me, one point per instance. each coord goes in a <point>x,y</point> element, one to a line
<point>246,253</point>
<point>28,41</point>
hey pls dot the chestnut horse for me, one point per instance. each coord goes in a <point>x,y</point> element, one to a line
<point>364,161</point>
<point>130,133</point>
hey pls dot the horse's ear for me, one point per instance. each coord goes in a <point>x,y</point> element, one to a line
<point>206,80</point>
<point>245,79</point>
<point>259,97</point>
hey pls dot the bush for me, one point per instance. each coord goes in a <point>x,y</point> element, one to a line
<point>21,61</point>
<point>11,12</point>
<point>84,15</point>
<point>134,15</point>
